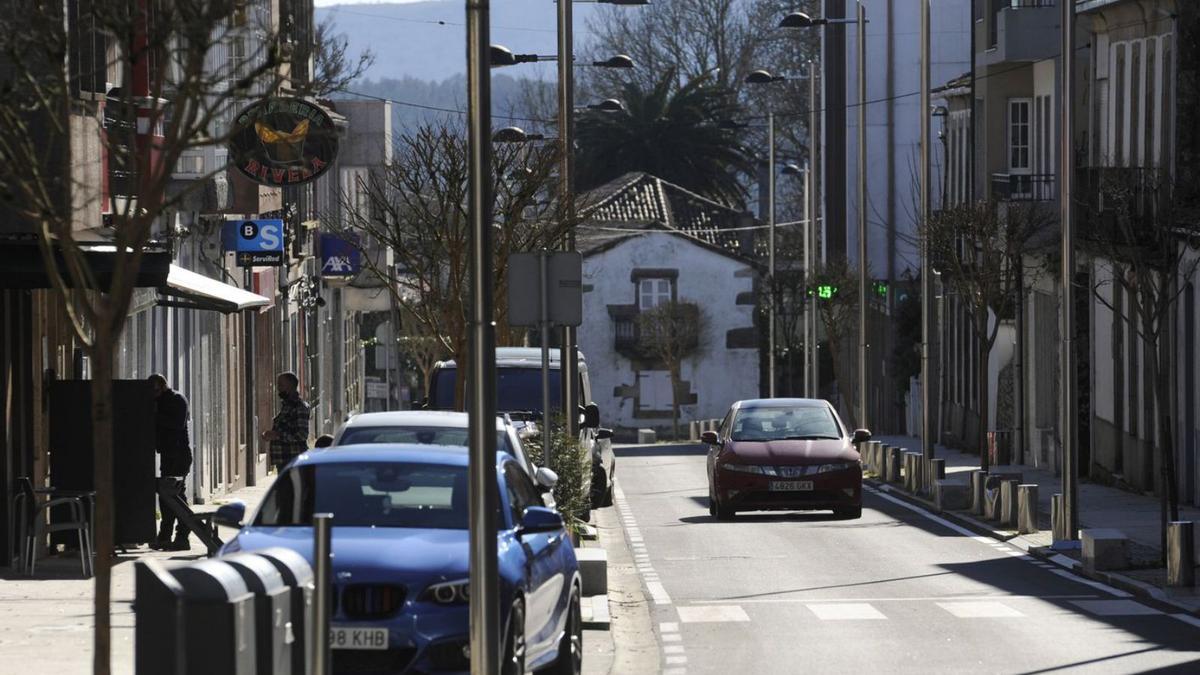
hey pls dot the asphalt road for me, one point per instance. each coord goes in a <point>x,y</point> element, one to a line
<point>895,591</point>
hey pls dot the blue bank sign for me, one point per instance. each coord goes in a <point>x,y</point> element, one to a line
<point>256,242</point>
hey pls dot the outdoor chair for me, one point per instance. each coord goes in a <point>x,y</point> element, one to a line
<point>32,520</point>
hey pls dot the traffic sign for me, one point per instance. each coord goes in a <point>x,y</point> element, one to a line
<point>257,242</point>
<point>564,289</point>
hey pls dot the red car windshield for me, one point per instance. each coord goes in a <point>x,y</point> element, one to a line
<point>775,424</point>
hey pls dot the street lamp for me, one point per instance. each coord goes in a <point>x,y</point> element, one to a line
<point>620,61</point>
<point>802,20</point>
<point>515,135</point>
<point>608,105</point>
<point>501,56</point>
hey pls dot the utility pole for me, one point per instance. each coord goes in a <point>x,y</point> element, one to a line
<point>484,609</point>
<point>569,359</point>
<point>863,397</point>
<point>814,163</point>
<point>1066,168</point>
<point>771,254</point>
<point>926,270</point>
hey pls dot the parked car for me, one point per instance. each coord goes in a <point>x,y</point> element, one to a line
<point>439,427</point>
<point>784,454</point>
<point>519,394</point>
<point>400,558</point>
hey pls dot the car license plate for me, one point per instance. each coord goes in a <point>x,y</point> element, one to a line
<point>358,638</point>
<point>791,485</point>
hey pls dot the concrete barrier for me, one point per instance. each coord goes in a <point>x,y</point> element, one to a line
<point>1058,518</point>
<point>1027,508</point>
<point>949,496</point>
<point>977,478</point>
<point>593,569</point>
<point>1105,549</point>
<point>894,455</point>
<point>1181,553</point>
<point>647,437</point>
<point>1008,502</point>
<point>908,471</point>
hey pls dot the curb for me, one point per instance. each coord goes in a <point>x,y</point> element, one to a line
<point>1139,589</point>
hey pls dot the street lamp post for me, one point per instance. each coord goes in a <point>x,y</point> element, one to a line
<point>926,272</point>
<point>1066,167</point>
<point>812,366</point>
<point>802,20</point>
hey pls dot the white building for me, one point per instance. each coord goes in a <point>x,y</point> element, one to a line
<point>645,242</point>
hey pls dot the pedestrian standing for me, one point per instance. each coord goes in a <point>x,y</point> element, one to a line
<point>289,432</point>
<point>175,459</point>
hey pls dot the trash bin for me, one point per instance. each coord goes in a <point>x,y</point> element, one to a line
<point>298,576</point>
<point>158,607</point>
<point>218,620</point>
<point>273,612</point>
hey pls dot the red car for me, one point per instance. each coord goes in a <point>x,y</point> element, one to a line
<point>784,454</point>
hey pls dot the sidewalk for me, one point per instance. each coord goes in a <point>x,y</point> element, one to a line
<point>46,621</point>
<point>1137,516</point>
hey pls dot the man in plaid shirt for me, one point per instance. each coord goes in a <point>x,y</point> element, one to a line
<point>289,432</point>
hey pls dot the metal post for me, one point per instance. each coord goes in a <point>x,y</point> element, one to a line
<point>1066,166</point>
<point>863,398</point>
<point>771,254</point>
<point>484,608</point>
<point>569,362</point>
<point>544,318</point>
<point>323,593</point>
<point>809,345</point>
<point>248,363</point>
<point>814,388</point>
<point>926,271</point>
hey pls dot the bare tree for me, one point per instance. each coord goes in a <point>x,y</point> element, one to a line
<point>175,92</point>
<point>1145,233</point>
<point>417,209</point>
<point>671,333</point>
<point>980,249</point>
<point>836,287</point>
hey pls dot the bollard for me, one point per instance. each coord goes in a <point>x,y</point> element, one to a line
<point>1008,503</point>
<point>1181,553</point>
<point>937,470</point>
<point>906,470</point>
<point>159,644</point>
<point>893,464</point>
<point>693,432</point>
<point>977,480</point>
<point>323,601</point>
<point>1027,509</point>
<point>1058,520</point>
<point>876,456</point>
<point>918,464</point>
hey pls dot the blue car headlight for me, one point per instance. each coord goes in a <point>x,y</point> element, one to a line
<point>447,593</point>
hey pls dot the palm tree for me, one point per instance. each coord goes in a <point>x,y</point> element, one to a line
<point>668,131</point>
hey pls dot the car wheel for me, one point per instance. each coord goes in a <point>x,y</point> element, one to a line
<point>712,506</point>
<point>848,512</point>
<point>600,492</point>
<point>570,646</point>
<point>514,642</point>
<point>723,512</point>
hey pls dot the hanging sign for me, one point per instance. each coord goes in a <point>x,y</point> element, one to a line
<point>339,256</point>
<point>283,141</point>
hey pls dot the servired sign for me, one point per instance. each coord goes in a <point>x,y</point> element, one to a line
<point>283,141</point>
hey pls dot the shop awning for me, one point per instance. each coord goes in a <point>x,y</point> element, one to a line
<point>196,291</point>
<point>22,266</point>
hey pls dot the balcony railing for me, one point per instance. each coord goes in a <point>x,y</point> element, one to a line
<point>1136,191</point>
<point>1024,187</point>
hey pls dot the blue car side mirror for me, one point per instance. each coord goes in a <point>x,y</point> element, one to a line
<point>231,514</point>
<point>539,519</point>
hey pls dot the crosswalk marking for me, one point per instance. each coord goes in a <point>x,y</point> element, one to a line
<point>712,613</point>
<point>845,611</point>
<point>1115,607</point>
<point>980,609</point>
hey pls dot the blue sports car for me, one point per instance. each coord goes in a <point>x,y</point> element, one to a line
<point>400,558</point>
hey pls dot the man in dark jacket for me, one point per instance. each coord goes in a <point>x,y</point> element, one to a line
<point>175,456</point>
<point>289,432</point>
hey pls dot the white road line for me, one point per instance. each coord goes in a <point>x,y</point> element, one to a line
<point>676,660</point>
<point>1187,618</point>
<point>711,614</point>
<point>850,611</point>
<point>657,593</point>
<point>668,627</point>
<point>935,598</point>
<point>672,637</point>
<point>941,521</point>
<point>980,610</point>
<point>673,649</point>
<point>1094,584</point>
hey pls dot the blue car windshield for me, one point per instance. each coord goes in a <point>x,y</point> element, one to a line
<point>369,494</point>
<point>420,435</point>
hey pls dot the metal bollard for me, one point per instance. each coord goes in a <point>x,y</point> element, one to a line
<point>1008,502</point>
<point>893,464</point>
<point>977,483</point>
<point>322,603</point>
<point>1181,553</point>
<point>1027,508</point>
<point>1058,520</point>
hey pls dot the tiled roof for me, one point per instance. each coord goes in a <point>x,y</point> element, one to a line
<point>639,200</point>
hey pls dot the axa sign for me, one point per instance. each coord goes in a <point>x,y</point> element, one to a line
<point>339,256</point>
<point>283,141</point>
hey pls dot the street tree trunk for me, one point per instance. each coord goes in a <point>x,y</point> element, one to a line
<point>985,349</point>
<point>102,477</point>
<point>1156,369</point>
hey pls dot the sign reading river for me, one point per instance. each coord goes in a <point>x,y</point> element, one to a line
<point>283,141</point>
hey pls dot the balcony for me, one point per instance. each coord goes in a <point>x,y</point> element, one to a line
<point>1024,187</point>
<point>627,331</point>
<point>1139,192</point>
<point>1021,31</point>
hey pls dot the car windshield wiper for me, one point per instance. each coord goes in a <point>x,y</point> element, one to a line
<point>808,438</point>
